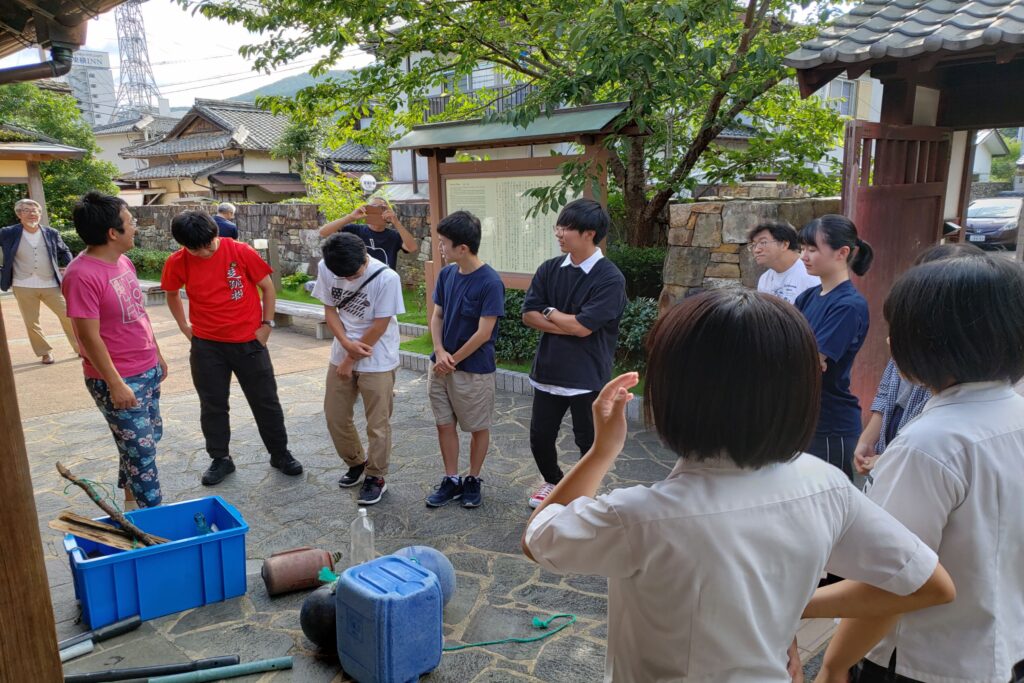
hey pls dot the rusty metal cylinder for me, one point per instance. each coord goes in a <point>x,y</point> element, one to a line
<point>294,570</point>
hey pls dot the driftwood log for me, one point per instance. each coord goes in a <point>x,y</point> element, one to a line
<point>139,535</point>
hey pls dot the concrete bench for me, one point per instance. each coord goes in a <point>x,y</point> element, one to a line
<point>154,295</point>
<point>286,313</point>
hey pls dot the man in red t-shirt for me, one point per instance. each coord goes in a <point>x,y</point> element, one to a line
<point>229,331</point>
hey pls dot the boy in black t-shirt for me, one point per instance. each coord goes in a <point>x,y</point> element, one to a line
<point>576,301</point>
<point>382,243</point>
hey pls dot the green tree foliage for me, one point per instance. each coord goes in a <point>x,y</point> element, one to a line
<point>299,144</point>
<point>56,116</point>
<point>688,69</point>
<point>1005,167</point>
<point>337,196</point>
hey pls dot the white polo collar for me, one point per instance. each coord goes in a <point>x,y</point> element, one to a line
<point>587,264</point>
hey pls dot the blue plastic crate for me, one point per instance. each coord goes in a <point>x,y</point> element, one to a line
<point>389,621</point>
<point>152,581</point>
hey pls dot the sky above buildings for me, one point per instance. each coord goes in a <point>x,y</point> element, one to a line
<point>191,56</point>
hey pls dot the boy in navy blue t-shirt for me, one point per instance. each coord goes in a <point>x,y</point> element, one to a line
<point>469,297</point>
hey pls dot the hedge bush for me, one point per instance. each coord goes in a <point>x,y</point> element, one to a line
<point>74,242</point>
<point>517,343</point>
<point>296,280</point>
<point>641,266</point>
<point>149,261</point>
<point>637,320</point>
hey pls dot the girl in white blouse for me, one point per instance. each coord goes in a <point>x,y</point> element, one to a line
<point>710,570</point>
<point>955,477</point>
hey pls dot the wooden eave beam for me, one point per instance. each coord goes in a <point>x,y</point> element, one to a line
<point>38,156</point>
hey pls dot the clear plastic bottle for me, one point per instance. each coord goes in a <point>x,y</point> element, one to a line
<point>361,539</point>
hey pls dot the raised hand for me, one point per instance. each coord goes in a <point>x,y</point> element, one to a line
<point>610,413</point>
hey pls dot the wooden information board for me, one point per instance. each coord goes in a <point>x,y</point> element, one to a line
<point>510,242</point>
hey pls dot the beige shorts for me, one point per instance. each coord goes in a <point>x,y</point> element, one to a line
<point>465,396</point>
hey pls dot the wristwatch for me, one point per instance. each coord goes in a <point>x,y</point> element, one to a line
<point>269,323</point>
<point>547,312</point>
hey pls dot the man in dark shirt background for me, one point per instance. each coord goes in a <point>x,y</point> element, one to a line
<point>382,243</point>
<point>576,301</point>
<point>224,219</point>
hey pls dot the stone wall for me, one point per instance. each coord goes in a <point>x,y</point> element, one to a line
<point>707,241</point>
<point>986,190</point>
<point>295,227</point>
<point>415,216</point>
<point>753,189</point>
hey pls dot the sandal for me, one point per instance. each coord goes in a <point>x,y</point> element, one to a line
<point>48,359</point>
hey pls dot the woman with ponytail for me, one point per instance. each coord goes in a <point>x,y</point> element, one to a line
<point>838,315</point>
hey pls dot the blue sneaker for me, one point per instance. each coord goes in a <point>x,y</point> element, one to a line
<point>446,492</point>
<point>471,497</point>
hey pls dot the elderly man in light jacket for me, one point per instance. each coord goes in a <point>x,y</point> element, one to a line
<point>34,257</point>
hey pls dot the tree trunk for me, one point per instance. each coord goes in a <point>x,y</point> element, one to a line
<point>641,231</point>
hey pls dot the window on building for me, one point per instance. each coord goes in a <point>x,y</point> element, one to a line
<point>461,84</point>
<point>842,96</point>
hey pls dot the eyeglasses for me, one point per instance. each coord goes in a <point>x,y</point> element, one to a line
<point>761,244</point>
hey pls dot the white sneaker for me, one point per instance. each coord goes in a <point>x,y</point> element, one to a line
<point>541,494</point>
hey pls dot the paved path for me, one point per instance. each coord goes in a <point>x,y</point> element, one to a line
<point>499,591</point>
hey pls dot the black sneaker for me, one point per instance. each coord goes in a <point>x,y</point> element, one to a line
<point>471,497</point>
<point>352,477</point>
<point>445,492</point>
<point>372,491</point>
<point>218,469</point>
<point>288,464</point>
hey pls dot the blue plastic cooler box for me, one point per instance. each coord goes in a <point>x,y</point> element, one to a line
<point>389,621</point>
<point>189,571</point>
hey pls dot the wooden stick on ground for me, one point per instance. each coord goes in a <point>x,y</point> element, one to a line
<point>140,535</point>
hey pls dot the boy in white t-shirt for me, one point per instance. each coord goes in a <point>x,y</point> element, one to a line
<point>776,246</point>
<point>361,298</point>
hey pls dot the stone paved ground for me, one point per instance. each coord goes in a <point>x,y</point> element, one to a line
<point>499,591</point>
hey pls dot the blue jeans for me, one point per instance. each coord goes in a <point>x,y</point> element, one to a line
<point>136,432</point>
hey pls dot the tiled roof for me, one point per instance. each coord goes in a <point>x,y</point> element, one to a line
<point>23,143</point>
<point>348,158</point>
<point>738,131</point>
<point>243,126</point>
<point>26,134</point>
<point>203,142</point>
<point>349,151</point>
<point>157,124</point>
<point>898,29</point>
<point>238,178</point>
<point>265,128</point>
<point>188,169</point>
<point>352,166</point>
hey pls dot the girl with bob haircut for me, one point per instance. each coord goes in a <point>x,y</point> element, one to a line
<point>953,477</point>
<point>898,401</point>
<point>710,571</point>
<point>838,315</point>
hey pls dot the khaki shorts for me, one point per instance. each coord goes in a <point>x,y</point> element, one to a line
<point>466,396</point>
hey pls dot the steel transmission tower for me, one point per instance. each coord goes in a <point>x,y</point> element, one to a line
<point>137,93</point>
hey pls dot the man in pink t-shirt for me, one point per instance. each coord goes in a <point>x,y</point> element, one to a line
<point>122,362</point>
